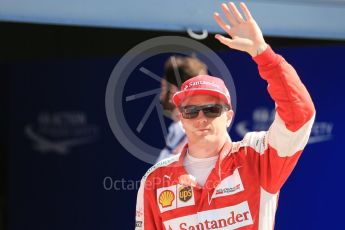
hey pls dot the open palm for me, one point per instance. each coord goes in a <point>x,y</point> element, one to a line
<point>244,32</point>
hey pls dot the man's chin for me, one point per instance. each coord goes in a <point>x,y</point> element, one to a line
<point>206,138</point>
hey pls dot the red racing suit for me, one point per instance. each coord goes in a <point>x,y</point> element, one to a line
<point>242,190</point>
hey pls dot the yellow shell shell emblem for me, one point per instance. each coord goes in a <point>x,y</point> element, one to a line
<point>166,198</point>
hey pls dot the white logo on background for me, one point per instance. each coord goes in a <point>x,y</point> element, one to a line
<point>133,62</point>
<point>263,118</point>
<point>58,132</point>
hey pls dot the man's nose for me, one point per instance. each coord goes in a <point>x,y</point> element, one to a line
<point>201,116</point>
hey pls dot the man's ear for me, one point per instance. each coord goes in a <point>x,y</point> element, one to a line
<point>229,115</point>
<point>179,115</point>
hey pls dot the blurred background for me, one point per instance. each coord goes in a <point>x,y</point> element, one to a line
<point>62,167</point>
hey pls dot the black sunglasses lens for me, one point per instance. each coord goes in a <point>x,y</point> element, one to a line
<point>190,115</point>
<point>210,111</point>
<point>213,111</point>
<point>189,112</point>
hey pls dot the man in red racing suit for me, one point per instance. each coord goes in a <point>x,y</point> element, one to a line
<point>241,191</point>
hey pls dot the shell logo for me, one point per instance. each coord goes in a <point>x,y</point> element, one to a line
<point>166,198</point>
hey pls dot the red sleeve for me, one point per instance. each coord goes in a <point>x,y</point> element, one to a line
<point>294,104</point>
<point>279,149</point>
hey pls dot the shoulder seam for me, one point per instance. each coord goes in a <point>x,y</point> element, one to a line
<point>160,164</point>
<point>245,142</point>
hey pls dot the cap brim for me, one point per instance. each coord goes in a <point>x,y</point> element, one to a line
<point>180,96</point>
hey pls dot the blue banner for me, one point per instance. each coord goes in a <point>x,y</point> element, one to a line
<point>68,170</point>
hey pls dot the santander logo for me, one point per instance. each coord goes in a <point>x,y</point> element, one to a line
<point>232,217</point>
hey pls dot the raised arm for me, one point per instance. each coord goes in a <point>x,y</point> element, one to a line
<point>280,147</point>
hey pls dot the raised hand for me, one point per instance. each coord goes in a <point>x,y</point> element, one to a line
<point>244,31</point>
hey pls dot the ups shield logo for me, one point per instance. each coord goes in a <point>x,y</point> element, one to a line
<point>185,193</point>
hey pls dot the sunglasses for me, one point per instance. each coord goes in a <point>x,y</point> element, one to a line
<point>210,111</point>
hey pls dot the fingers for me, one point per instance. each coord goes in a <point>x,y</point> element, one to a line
<point>235,12</point>
<point>221,23</point>
<point>224,40</point>
<point>246,12</point>
<point>228,14</point>
<point>233,15</point>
